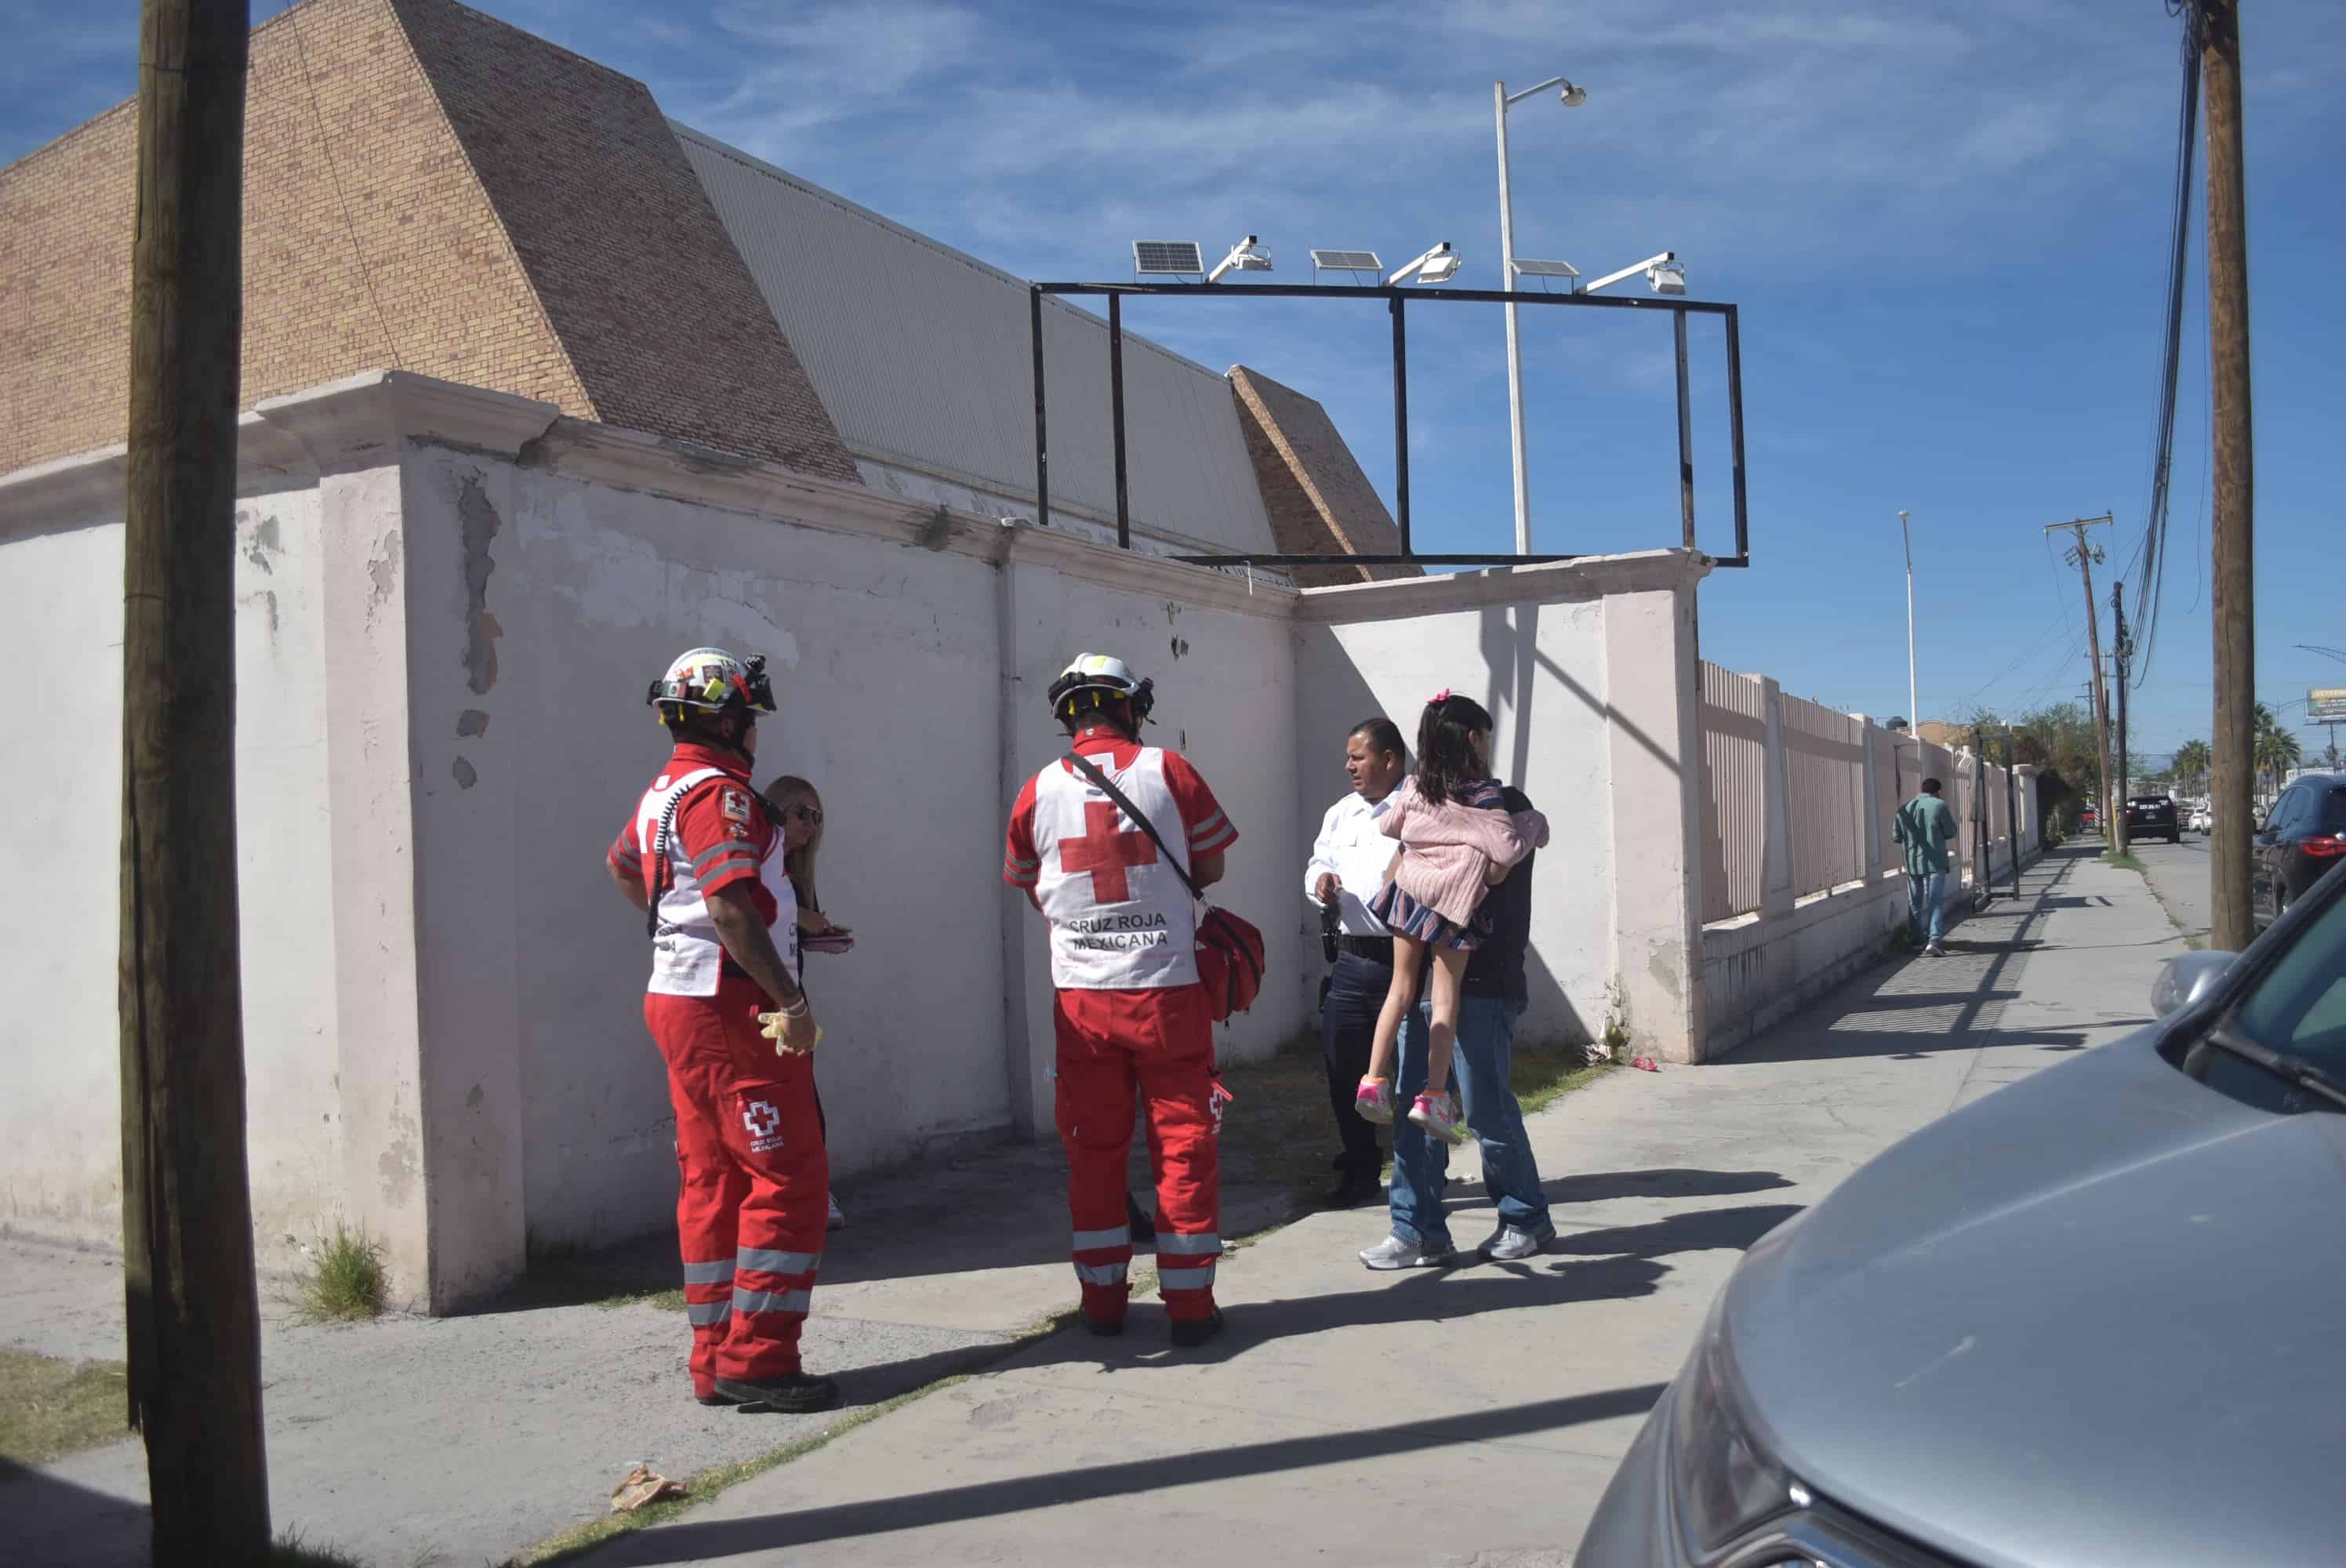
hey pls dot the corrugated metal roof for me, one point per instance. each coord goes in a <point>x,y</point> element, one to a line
<point>922,356</point>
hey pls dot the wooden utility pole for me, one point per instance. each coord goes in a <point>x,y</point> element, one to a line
<point>2121,655</point>
<point>194,1326</point>
<point>2084,554</point>
<point>2232,923</point>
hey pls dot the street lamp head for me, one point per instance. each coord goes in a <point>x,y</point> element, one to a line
<point>1247,256</point>
<point>1571,94</point>
<point>1438,265</point>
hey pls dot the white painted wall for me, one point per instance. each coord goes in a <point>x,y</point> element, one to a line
<point>61,612</point>
<point>450,602</point>
<point>1536,667</point>
<point>883,658</point>
<point>61,642</point>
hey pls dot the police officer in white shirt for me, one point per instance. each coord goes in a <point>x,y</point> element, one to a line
<point>1347,865</point>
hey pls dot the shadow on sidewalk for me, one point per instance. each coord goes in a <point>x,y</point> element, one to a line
<point>959,1504</point>
<point>55,1522</point>
<point>1924,1005</point>
<point>1601,1186</point>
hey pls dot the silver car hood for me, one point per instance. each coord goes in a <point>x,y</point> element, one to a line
<point>2099,1318</point>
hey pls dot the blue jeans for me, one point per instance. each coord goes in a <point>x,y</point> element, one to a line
<point>1486,1038</point>
<point>1926,906</point>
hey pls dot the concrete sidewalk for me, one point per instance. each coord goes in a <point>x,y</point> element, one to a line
<point>1471,1415</point>
<point>1337,1401</point>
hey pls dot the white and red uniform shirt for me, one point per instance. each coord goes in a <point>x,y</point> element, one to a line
<point>1120,919</point>
<point>718,835</point>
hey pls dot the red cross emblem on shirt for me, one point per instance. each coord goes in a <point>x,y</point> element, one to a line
<point>1106,853</point>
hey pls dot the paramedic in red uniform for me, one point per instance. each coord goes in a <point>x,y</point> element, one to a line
<point>1131,1016</point>
<point>704,861</point>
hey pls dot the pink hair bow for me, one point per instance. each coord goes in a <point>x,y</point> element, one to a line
<point>1442,696</point>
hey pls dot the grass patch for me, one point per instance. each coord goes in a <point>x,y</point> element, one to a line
<point>2125,862</point>
<point>50,1408</point>
<point>345,1282</point>
<point>1543,1077</point>
<point>291,1551</point>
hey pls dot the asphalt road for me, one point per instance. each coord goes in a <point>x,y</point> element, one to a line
<point>2178,875</point>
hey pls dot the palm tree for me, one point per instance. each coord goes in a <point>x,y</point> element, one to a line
<point>2277,751</point>
<point>2192,761</point>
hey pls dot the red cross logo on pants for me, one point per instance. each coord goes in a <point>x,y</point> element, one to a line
<point>1106,853</point>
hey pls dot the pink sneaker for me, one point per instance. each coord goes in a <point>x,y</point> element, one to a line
<point>1373,1101</point>
<point>1438,1115</point>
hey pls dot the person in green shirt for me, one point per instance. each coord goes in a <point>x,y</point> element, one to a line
<point>1926,828</point>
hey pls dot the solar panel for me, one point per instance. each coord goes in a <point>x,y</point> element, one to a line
<point>1173,256</point>
<point>1526,268</point>
<point>1347,261</point>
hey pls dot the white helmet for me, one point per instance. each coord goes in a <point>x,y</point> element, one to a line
<point>1102,672</point>
<point>712,680</point>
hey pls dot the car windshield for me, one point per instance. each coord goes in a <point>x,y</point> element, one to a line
<point>2298,1008</point>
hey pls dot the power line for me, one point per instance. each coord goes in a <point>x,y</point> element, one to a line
<point>2152,567</point>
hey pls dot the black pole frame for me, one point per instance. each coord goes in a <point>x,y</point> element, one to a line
<point>1677,309</point>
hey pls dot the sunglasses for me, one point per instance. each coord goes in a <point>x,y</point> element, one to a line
<point>805,814</point>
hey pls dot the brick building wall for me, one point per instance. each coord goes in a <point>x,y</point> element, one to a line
<point>660,315</point>
<point>389,223</point>
<point>1320,501</point>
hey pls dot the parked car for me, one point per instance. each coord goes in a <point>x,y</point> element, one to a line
<point>2303,838</point>
<point>2203,818</point>
<point>2091,1319</point>
<point>2153,817</point>
<point>2090,817</point>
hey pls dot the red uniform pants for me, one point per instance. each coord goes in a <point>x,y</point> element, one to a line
<point>756,1179</point>
<point>1158,1044</point>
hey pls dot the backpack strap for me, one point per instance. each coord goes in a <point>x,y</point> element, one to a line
<point>656,876</point>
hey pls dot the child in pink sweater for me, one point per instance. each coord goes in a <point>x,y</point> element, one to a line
<point>1458,840</point>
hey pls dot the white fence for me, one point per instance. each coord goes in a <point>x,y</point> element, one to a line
<point>1801,880</point>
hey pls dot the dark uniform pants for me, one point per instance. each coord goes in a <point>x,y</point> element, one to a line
<point>1348,1026</point>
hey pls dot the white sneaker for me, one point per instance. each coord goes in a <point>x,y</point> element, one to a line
<point>1392,1252</point>
<point>1936,950</point>
<point>836,1219</point>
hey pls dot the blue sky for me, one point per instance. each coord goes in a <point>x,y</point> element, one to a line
<point>1944,226</point>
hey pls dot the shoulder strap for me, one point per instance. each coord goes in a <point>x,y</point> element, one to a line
<point>654,869</point>
<point>1091,772</point>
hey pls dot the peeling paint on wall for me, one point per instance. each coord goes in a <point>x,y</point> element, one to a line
<point>621,580</point>
<point>261,540</point>
<point>467,775</point>
<point>481,523</point>
<point>383,571</point>
<point>472,722</point>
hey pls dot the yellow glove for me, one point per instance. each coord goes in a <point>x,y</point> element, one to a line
<point>775,1027</point>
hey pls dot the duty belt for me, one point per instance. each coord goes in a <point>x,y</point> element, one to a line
<point>1375,948</point>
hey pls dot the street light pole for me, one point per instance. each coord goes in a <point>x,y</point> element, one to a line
<point>1500,101</point>
<point>1515,342</point>
<point>1913,704</point>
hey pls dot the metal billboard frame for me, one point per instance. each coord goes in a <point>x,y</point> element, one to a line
<point>1397,301</point>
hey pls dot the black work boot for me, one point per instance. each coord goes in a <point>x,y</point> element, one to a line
<point>797,1394</point>
<point>1352,1189</point>
<point>1189,1333</point>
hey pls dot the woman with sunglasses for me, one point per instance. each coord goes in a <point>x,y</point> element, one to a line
<point>799,809</point>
